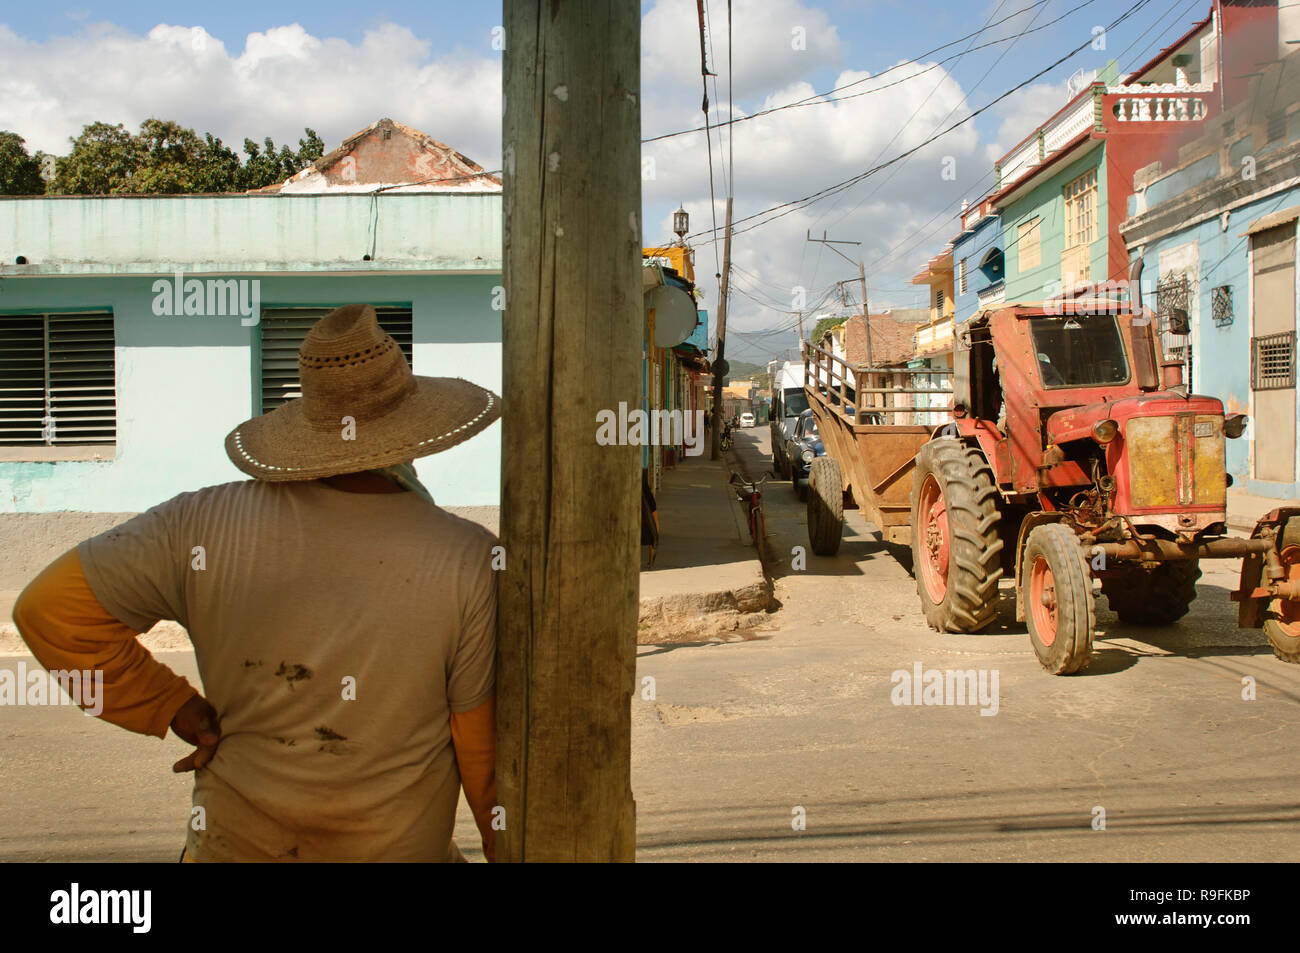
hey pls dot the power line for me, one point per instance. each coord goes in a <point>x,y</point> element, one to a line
<point>910,243</point>
<point>893,172</point>
<point>818,98</point>
<point>786,208</point>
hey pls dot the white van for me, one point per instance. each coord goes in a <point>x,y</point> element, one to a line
<point>788,402</point>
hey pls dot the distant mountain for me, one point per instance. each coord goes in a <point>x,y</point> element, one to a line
<point>741,371</point>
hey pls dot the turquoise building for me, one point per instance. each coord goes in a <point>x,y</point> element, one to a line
<point>136,331</point>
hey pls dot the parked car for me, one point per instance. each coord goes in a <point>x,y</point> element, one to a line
<point>746,419</point>
<point>804,446</point>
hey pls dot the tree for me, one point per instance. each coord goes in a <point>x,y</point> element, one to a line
<point>102,161</point>
<point>271,167</point>
<point>822,326</point>
<point>167,158</point>
<point>20,173</point>
<point>178,161</point>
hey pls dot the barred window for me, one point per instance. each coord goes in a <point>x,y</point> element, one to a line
<point>1221,305</point>
<point>1272,361</point>
<point>57,380</point>
<point>284,330</point>
<point>1172,308</point>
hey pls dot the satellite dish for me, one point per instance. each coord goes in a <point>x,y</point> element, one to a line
<point>1078,82</point>
<point>675,314</point>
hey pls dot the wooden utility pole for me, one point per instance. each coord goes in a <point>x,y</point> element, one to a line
<point>718,357</point>
<point>570,506</point>
<point>866,310</point>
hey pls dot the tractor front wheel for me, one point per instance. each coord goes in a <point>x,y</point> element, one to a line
<point>1056,590</point>
<point>1157,596</point>
<point>1282,618</point>
<point>955,544</point>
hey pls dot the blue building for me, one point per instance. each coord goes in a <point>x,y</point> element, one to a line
<point>979,274</point>
<point>1216,239</point>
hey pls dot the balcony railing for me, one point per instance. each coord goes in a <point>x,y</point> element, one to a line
<point>1165,102</point>
<point>1068,124</point>
<point>1178,104</point>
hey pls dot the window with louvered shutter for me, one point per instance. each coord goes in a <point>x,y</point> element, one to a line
<point>57,380</point>
<point>283,331</point>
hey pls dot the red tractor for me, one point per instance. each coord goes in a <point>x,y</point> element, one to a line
<point>1075,453</point>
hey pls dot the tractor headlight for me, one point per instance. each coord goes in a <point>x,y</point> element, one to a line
<point>808,456</point>
<point>1104,431</point>
<point>1234,425</point>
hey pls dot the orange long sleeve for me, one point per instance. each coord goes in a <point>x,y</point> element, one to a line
<point>473,736</point>
<point>67,629</point>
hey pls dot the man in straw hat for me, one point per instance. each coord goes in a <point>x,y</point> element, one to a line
<point>344,625</point>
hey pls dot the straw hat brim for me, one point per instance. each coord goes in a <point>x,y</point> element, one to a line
<point>439,413</point>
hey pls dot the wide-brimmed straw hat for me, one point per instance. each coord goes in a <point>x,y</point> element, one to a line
<point>361,407</point>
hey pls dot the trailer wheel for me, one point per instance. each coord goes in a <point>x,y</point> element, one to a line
<point>1058,599</point>
<point>1282,620</point>
<point>1157,596</point>
<point>825,506</point>
<point>956,551</point>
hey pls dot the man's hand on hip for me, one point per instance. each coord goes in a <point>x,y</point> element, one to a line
<point>197,723</point>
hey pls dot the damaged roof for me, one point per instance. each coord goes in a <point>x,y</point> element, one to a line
<point>391,156</point>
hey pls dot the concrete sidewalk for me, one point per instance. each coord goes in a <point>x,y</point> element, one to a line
<point>707,581</point>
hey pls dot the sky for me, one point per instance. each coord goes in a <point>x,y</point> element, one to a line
<point>243,69</point>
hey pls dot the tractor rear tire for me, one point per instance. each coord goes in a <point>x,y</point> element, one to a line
<point>825,506</point>
<point>1056,591</point>
<point>1159,596</point>
<point>956,550</point>
<point>1282,618</point>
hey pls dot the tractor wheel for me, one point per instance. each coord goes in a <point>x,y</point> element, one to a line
<point>825,506</point>
<point>1057,595</point>
<point>956,551</point>
<point>1153,596</point>
<point>1282,619</point>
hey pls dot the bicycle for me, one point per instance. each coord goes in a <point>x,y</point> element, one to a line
<point>725,440</point>
<point>751,494</point>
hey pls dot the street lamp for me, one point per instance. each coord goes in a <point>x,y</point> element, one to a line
<point>681,224</point>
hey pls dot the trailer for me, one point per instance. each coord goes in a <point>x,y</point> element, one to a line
<point>871,445</point>
<point>1071,453</point>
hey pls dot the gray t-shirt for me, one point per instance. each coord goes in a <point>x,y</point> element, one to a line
<point>335,633</point>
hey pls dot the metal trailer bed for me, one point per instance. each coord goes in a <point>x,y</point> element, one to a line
<point>875,458</point>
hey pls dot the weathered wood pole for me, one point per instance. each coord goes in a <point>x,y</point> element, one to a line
<point>570,506</point>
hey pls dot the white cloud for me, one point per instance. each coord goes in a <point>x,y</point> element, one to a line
<point>283,80</point>
<point>775,42</point>
<point>1022,112</point>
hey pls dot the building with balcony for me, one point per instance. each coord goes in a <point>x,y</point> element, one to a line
<point>979,270</point>
<point>1063,191</point>
<point>934,338</point>
<point>1213,238</point>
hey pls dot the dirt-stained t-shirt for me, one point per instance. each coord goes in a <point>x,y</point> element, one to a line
<point>335,632</point>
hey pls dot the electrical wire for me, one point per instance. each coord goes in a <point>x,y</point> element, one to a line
<point>785,208</point>
<point>820,98</point>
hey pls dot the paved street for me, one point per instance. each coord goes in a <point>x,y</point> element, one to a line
<point>1156,732</point>
<point>741,734</point>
